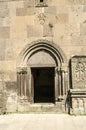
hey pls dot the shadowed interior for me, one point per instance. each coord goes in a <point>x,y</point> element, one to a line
<point>43,83</point>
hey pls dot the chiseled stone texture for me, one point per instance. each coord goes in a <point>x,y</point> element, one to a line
<point>23,21</point>
<point>4,32</point>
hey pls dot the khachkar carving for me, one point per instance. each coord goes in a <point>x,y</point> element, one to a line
<point>78,67</point>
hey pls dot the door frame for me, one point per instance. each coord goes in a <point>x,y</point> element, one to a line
<point>31,86</point>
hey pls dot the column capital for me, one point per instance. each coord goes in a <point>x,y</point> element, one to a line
<point>57,68</point>
<point>64,68</point>
<point>22,70</point>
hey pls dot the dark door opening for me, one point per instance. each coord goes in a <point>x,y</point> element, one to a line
<point>43,84</point>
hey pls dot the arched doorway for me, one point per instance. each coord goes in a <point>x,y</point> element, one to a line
<point>41,73</point>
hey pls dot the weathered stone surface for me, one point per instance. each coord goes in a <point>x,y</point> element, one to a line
<point>50,10</point>
<point>2,49</point>
<point>47,30</point>
<point>29,3</point>
<point>21,11</point>
<point>78,72</point>
<point>63,23</point>
<point>78,40</point>
<point>11,105</point>
<point>83,29</point>
<point>72,29</point>
<point>75,8</point>
<point>4,11</point>
<point>78,98</point>
<point>34,31</point>
<point>81,2</point>
<point>77,17</point>
<point>4,32</point>
<point>62,18</point>
<point>84,8</point>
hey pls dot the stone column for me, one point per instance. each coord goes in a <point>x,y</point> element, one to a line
<point>25,85</point>
<point>64,71</point>
<point>18,83</point>
<point>63,87</point>
<point>21,85</point>
<point>30,85</point>
<point>59,83</point>
<point>66,80</point>
<point>56,84</point>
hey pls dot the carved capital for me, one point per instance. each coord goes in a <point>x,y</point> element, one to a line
<point>22,70</point>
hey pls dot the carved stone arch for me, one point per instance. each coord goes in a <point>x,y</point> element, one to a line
<point>59,60</point>
<point>54,50</point>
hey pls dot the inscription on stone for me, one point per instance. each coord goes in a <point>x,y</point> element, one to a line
<point>78,67</point>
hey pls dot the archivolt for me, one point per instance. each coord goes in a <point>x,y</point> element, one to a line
<point>41,45</point>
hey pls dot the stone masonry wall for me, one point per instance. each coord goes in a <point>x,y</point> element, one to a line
<point>22,21</point>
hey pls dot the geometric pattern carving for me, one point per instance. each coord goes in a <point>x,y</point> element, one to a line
<point>78,67</point>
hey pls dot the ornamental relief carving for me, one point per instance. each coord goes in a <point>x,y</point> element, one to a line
<point>80,71</point>
<point>78,65</point>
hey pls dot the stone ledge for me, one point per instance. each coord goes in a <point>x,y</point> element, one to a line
<point>77,93</point>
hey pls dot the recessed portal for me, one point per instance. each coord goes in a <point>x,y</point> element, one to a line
<point>43,84</point>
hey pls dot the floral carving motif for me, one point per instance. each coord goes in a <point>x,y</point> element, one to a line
<point>42,17</point>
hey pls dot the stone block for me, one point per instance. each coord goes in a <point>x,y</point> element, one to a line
<point>59,30</point>
<point>1,84</point>
<point>21,11</point>
<point>75,8</point>
<point>50,10</point>
<point>34,31</point>
<point>31,11</point>
<point>84,8</point>
<point>50,19</point>
<point>56,2</point>
<point>78,40</point>
<point>10,76</point>
<point>62,9</point>
<point>25,11</point>
<point>80,2</point>
<point>47,31</point>
<point>4,11</point>
<point>29,3</point>
<point>11,87</point>
<point>83,29</point>
<point>2,49</point>
<point>9,66</point>
<point>78,17</point>
<point>23,107</point>
<point>4,32</point>
<point>72,29</point>
<point>11,105</point>
<point>18,28</point>
<point>9,53</point>
<point>1,66</point>
<point>28,21</point>
<point>5,22</point>
<point>62,18</point>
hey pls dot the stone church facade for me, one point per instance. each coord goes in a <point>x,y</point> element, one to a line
<point>43,56</point>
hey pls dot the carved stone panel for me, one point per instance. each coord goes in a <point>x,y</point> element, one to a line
<point>78,75</point>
